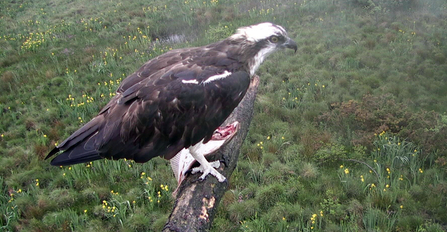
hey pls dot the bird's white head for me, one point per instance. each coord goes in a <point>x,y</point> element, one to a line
<point>258,32</point>
<point>262,40</point>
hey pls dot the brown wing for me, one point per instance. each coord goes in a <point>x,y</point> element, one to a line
<point>157,113</point>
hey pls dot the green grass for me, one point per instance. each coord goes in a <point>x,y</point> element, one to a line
<point>348,134</point>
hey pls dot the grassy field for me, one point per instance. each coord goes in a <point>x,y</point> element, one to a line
<point>349,133</point>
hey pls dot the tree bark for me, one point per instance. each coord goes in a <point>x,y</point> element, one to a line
<point>197,201</point>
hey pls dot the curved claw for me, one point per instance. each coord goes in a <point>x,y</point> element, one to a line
<point>224,161</point>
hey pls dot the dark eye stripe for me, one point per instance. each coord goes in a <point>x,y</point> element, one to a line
<point>276,38</point>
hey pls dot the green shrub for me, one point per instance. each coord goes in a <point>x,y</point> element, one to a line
<point>269,195</point>
<point>375,219</point>
<point>409,223</point>
<point>67,219</point>
<point>243,210</point>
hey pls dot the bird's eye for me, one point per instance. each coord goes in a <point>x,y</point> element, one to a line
<point>274,39</point>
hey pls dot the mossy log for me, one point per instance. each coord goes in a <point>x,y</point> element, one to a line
<point>196,201</point>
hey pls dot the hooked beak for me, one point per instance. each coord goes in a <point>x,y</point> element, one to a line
<point>290,44</point>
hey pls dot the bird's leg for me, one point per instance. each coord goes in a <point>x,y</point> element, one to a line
<point>221,136</point>
<point>205,166</point>
<point>181,163</point>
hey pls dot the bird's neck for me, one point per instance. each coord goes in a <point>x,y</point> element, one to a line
<point>248,54</point>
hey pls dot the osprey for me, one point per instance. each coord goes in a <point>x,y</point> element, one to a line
<point>173,105</point>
